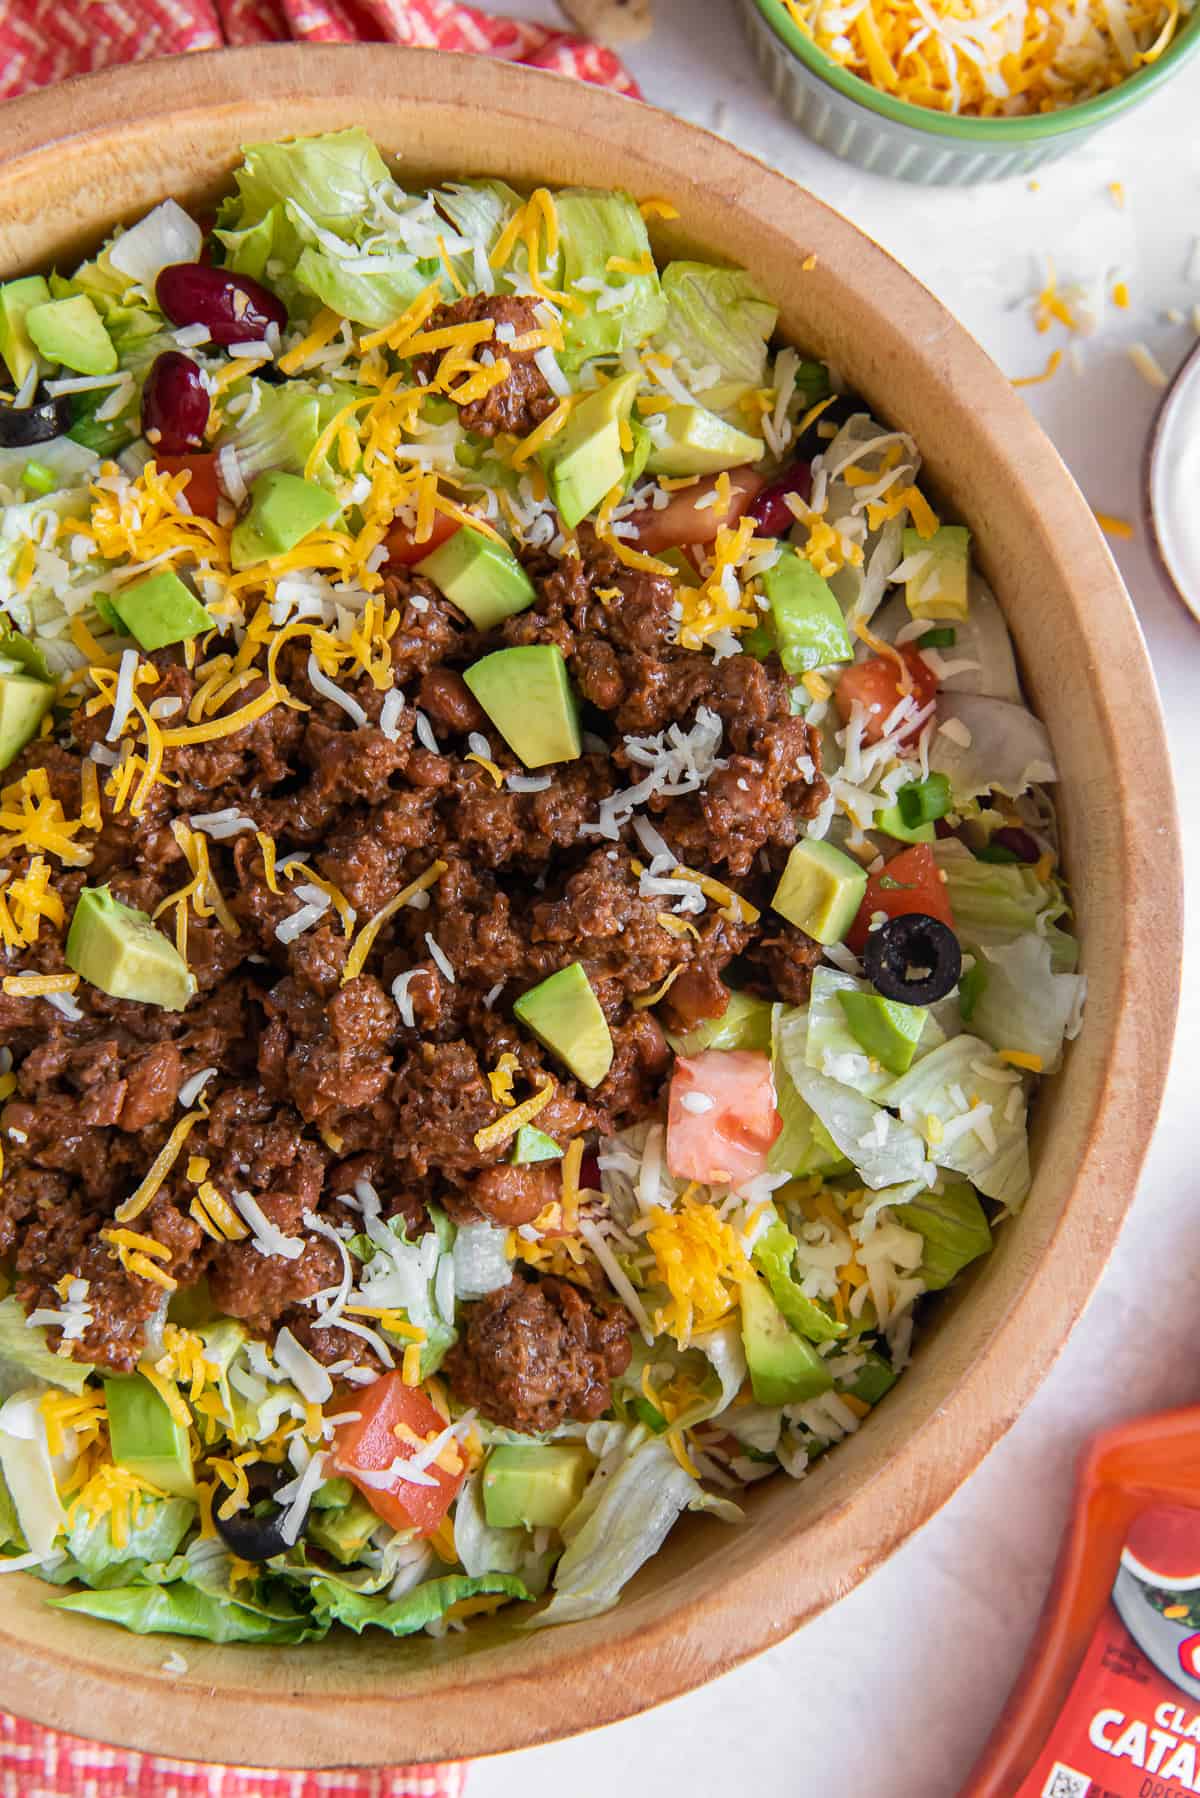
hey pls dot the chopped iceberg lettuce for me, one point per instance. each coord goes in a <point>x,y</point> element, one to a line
<point>606,263</point>
<point>803,1146</point>
<point>994,903</point>
<point>774,1254</point>
<point>989,746</point>
<point>180,1609</point>
<point>636,1511</point>
<point>479,211</point>
<point>1023,1004</point>
<point>720,322</point>
<point>277,430</point>
<point>330,177</point>
<point>336,1602</point>
<point>25,1358</point>
<point>981,658</point>
<point>154,1531</point>
<point>884,1150</point>
<point>833,1049</point>
<point>166,235</point>
<point>371,296</point>
<point>323,222</point>
<point>955,1229</point>
<point>978,1104</point>
<point>28,1472</point>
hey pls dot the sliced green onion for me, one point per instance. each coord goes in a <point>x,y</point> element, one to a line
<point>942,636</point>
<point>970,990</point>
<point>38,478</point>
<point>924,801</point>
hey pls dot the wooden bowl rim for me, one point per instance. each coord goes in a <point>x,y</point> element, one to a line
<point>637,1664</point>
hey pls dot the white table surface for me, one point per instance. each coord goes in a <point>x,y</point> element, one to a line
<point>896,1688</point>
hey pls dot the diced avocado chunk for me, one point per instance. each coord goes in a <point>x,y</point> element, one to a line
<point>531,1144</point>
<point>283,510</point>
<point>887,1030</point>
<point>784,1368</point>
<point>637,457</point>
<point>874,1378</point>
<point>585,461</point>
<point>527,694</point>
<point>342,1531</point>
<point>564,1014</point>
<point>159,609</point>
<point>820,891</point>
<point>536,1486</point>
<point>480,576</point>
<point>809,627</point>
<point>940,589</point>
<point>745,1023</point>
<point>693,440</point>
<point>146,1440</point>
<point>118,949</point>
<point>685,569</point>
<point>891,822</point>
<point>16,345</point>
<point>956,1231</point>
<point>72,332</point>
<point>23,705</point>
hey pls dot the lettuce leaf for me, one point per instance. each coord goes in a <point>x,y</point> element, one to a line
<point>774,1255</point>
<point>10,1529</point>
<point>595,225</point>
<point>1023,1004</point>
<point>981,637</point>
<point>181,1609</point>
<point>883,1150</point>
<point>478,210</point>
<point>279,431</point>
<point>156,1528</point>
<point>330,176</point>
<point>369,297</point>
<point>955,1228</point>
<point>24,1356</point>
<point>718,320</point>
<point>996,1159</point>
<point>1005,749</point>
<point>27,1471</point>
<point>335,1602</point>
<point>639,1505</point>
<point>994,903</point>
<point>803,1146</point>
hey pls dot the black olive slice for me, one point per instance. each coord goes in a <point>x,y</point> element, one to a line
<point>23,426</point>
<point>255,1533</point>
<point>914,959</point>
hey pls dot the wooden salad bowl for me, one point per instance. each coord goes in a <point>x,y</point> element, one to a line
<point>76,159</point>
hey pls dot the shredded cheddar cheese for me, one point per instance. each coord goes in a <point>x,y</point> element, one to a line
<point>967,57</point>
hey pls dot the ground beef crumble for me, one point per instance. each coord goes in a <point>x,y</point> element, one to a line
<point>317,1082</point>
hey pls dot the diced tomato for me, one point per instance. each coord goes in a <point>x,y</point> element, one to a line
<point>682,522</point>
<point>403,547</point>
<point>371,1445</point>
<point>725,1141</point>
<point>876,686</point>
<point>910,882</point>
<point>202,492</point>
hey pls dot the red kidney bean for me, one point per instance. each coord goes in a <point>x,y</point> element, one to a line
<point>175,405</point>
<point>232,308</point>
<point>1019,841</point>
<point>770,510</point>
<point>589,1172</point>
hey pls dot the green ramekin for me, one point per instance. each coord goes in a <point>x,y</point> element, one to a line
<point>853,120</point>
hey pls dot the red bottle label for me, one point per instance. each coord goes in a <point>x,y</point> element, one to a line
<point>1130,1727</point>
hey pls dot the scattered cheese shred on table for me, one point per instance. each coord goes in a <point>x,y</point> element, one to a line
<point>985,59</point>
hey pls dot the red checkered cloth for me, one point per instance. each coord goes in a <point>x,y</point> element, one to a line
<point>40,1762</point>
<point>42,41</point>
